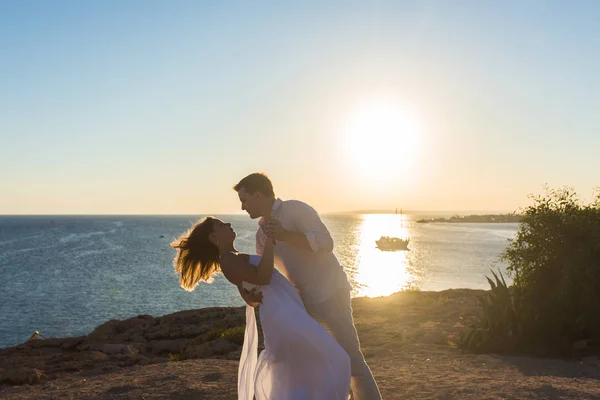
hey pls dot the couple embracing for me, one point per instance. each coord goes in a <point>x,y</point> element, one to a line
<point>312,349</point>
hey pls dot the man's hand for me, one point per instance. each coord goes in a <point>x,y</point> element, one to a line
<point>274,230</point>
<point>252,297</point>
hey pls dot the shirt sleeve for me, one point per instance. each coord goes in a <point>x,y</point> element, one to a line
<point>260,241</point>
<point>307,220</point>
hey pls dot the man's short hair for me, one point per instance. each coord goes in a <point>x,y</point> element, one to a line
<point>256,182</point>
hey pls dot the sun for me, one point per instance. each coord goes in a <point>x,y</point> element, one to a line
<point>381,140</point>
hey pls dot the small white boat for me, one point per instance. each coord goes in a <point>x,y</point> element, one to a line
<point>388,243</point>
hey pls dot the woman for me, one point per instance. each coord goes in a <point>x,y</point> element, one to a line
<point>301,360</point>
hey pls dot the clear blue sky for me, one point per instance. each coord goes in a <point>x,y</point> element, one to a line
<point>160,107</point>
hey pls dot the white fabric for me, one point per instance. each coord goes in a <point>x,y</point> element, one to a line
<point>317,274</point>
<point>301,361</point>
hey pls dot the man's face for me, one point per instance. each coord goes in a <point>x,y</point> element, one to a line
<point>250,202</point>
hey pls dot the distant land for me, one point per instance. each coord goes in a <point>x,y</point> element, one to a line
<point>428,214</point>
<point>371,212</point>
<point>500,218</point>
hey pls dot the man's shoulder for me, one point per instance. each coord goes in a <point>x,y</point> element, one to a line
<point>292,209</point>
<point>292,205</point>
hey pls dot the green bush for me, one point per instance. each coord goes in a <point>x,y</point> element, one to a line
<point>554,261</point>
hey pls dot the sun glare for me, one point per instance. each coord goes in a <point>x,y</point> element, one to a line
<point>381,140</point>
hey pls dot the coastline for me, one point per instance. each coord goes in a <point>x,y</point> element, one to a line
<point>484,219</point>
<point>409,340</point>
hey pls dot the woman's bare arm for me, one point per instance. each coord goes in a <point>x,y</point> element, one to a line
<point>237,269</point>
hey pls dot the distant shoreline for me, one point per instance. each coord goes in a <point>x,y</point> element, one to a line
<point>424,213</point>
<point>491,218</point>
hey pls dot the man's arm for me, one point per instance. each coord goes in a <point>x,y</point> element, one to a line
<point>296,239</point>
<point>311,235</point>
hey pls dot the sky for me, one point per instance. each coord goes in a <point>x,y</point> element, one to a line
<point>160,107</point>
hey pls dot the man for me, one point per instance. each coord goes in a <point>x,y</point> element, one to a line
<point>304,254</point>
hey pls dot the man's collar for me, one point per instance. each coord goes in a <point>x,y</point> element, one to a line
<point>274,209</point>
<point>276,205</point>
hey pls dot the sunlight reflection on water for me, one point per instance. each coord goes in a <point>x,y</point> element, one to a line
<point>381,273</point>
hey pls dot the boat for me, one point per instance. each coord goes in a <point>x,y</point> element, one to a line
<point>388,243</point>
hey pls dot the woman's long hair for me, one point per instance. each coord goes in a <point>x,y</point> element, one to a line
<point>197,257</point>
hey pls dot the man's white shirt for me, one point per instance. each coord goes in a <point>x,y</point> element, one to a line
<point>316,274</point>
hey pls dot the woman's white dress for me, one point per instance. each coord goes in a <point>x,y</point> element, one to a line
<point>301,360</point>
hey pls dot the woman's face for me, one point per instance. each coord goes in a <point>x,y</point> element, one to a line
<point>223,231</point>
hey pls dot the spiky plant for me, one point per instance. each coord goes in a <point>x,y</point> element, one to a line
<point>497,327</point>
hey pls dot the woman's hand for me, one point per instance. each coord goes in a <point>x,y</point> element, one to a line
<point>252,297</point>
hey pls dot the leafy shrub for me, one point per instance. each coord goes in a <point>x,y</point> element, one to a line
<point>554,301</point>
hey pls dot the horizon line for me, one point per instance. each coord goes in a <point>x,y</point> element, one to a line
<point>363,211</point>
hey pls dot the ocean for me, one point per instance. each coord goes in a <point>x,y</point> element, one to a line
<point>65,275</point>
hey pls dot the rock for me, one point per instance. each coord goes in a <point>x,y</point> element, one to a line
<point>144,361</point>
<point>580,344</point>
<point>192,352</point>
<point>64,343</point>
<point>106,330</point>
<point>235,320</point>
<point>111,348</point>
<point>20,376</point>
<point>115,327</point>
<point>96,356</point>
<point>131,336</point>
<point>71,344</point>
<point>164,332</point>
<point>168,346</point>
<point>121,343</point>
<point>209,349</point>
